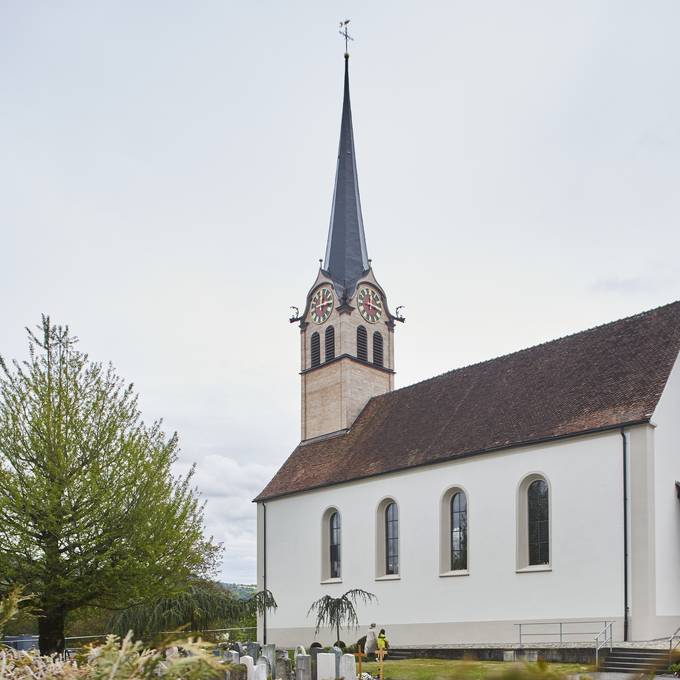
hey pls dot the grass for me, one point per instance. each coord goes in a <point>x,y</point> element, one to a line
<point>445,669</point>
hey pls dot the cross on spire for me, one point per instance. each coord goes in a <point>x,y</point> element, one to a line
<point>345,34</point>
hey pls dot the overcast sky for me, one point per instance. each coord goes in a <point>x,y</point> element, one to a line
<point>166,173</point>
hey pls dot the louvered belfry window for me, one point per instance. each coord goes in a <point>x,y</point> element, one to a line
<point>362,344</point>
<point>316,349</point>
<point>378,349</point>
<point>330,343</point>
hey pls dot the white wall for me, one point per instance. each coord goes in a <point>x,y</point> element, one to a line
<point>667,511</point>
<point>587,546</point>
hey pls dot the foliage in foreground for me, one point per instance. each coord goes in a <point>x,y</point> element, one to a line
<point>116,660</point>
<point>92,515</point>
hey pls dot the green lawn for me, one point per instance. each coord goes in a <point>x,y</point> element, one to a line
<point>443,669</point>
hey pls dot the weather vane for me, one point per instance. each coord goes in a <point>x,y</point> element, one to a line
<point>343,32</point>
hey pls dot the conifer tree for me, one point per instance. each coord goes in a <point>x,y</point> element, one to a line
<point>90,511</point>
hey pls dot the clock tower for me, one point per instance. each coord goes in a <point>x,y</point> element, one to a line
<point>346,328</point>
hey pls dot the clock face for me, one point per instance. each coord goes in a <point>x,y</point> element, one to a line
<point>370,304</point>
<point>322,305</point>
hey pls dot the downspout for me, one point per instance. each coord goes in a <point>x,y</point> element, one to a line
<point>264,570</point>
<point>625,536</point>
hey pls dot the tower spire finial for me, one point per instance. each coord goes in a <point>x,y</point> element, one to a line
<point>346,256</point>
<point>345,34</point>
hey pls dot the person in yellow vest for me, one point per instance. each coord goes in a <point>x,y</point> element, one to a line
<point>383,642</point>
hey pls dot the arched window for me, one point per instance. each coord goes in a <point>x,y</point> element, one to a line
<point>538,521</point>
<point>391,539</point>
<point>316,349</point>
<point>458,508</point>
<point>362,344</point>
<point>334,542</point>
<point>377,348</point>
<point>330,343</point>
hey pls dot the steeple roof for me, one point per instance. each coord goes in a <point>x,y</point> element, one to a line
<point>346,256</point>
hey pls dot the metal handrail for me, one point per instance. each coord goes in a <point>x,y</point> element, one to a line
<point>671,646</point>
<point>601,641</point>
<point>560,630</point>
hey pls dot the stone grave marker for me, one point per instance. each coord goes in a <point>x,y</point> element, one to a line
<point>247,661</point>
<point>338,655</point>
<point>284,668</point>
<point>325,666</point>
<point>269,653</point>
<point>303,667</point>
<point>253,649</point>
<point>348,667</point>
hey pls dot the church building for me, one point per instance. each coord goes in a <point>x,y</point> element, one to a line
<point>538,487</point>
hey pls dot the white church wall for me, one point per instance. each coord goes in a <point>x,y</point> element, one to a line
<point>667,506</point>
<point>421,607</point>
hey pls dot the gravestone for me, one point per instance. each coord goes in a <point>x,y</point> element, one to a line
<point>531,656</point>
<point>233,657</point>
<point>253,649</point>
<point>348,667</point>
<point>508,655</point>
<point>264,661</point>
<point>300,650</point>
<point>260,671</point>
<point>237,647</point>
<point>325,666</point>
<point>284,668</point>
<point>269,652</point>
<point>303,667</point>
<point>247,661</point>
<point>314,653</point>
<point>338,655</point>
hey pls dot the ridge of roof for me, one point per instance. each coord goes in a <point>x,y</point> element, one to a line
<point>525,349</point>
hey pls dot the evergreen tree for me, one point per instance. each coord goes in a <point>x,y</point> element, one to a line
<point>90,512</point>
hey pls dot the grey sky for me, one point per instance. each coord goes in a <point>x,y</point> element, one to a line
<point>167,169</point>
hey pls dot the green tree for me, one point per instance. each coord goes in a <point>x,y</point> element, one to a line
<point>204,604</point>
<point>335,612</point>
<point>91,514</point>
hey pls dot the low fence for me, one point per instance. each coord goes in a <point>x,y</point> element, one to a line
<point>28,642</point>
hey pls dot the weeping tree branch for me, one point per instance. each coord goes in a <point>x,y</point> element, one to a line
<point>337,612</point>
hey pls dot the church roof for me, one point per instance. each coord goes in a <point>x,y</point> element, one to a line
<point>602,378</point>
<point>346,255</point>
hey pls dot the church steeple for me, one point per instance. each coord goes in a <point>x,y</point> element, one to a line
<point>346,258</point>
<point>346,328</point>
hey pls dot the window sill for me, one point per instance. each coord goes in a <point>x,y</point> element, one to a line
<point>533,568</point>
<point>388,577</point>
<point>331,580</point>
<point>456,572</point>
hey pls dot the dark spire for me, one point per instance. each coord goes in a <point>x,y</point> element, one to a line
<point>346,256</point>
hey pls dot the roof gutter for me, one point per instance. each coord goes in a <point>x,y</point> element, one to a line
<point>492,449</point>
<point>264,570</point>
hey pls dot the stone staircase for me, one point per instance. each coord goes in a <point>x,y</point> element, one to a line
<point>635,660</point>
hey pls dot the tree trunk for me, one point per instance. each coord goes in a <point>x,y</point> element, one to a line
<point>337,639</point>
<point>51,631</point>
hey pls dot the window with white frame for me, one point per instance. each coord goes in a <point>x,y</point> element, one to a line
<point>454,533</point>
<point>533,523</point>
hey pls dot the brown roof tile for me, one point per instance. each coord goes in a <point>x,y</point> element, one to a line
<point>600,378</point>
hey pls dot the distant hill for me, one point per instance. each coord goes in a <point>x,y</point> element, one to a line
<point>240,591</point>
